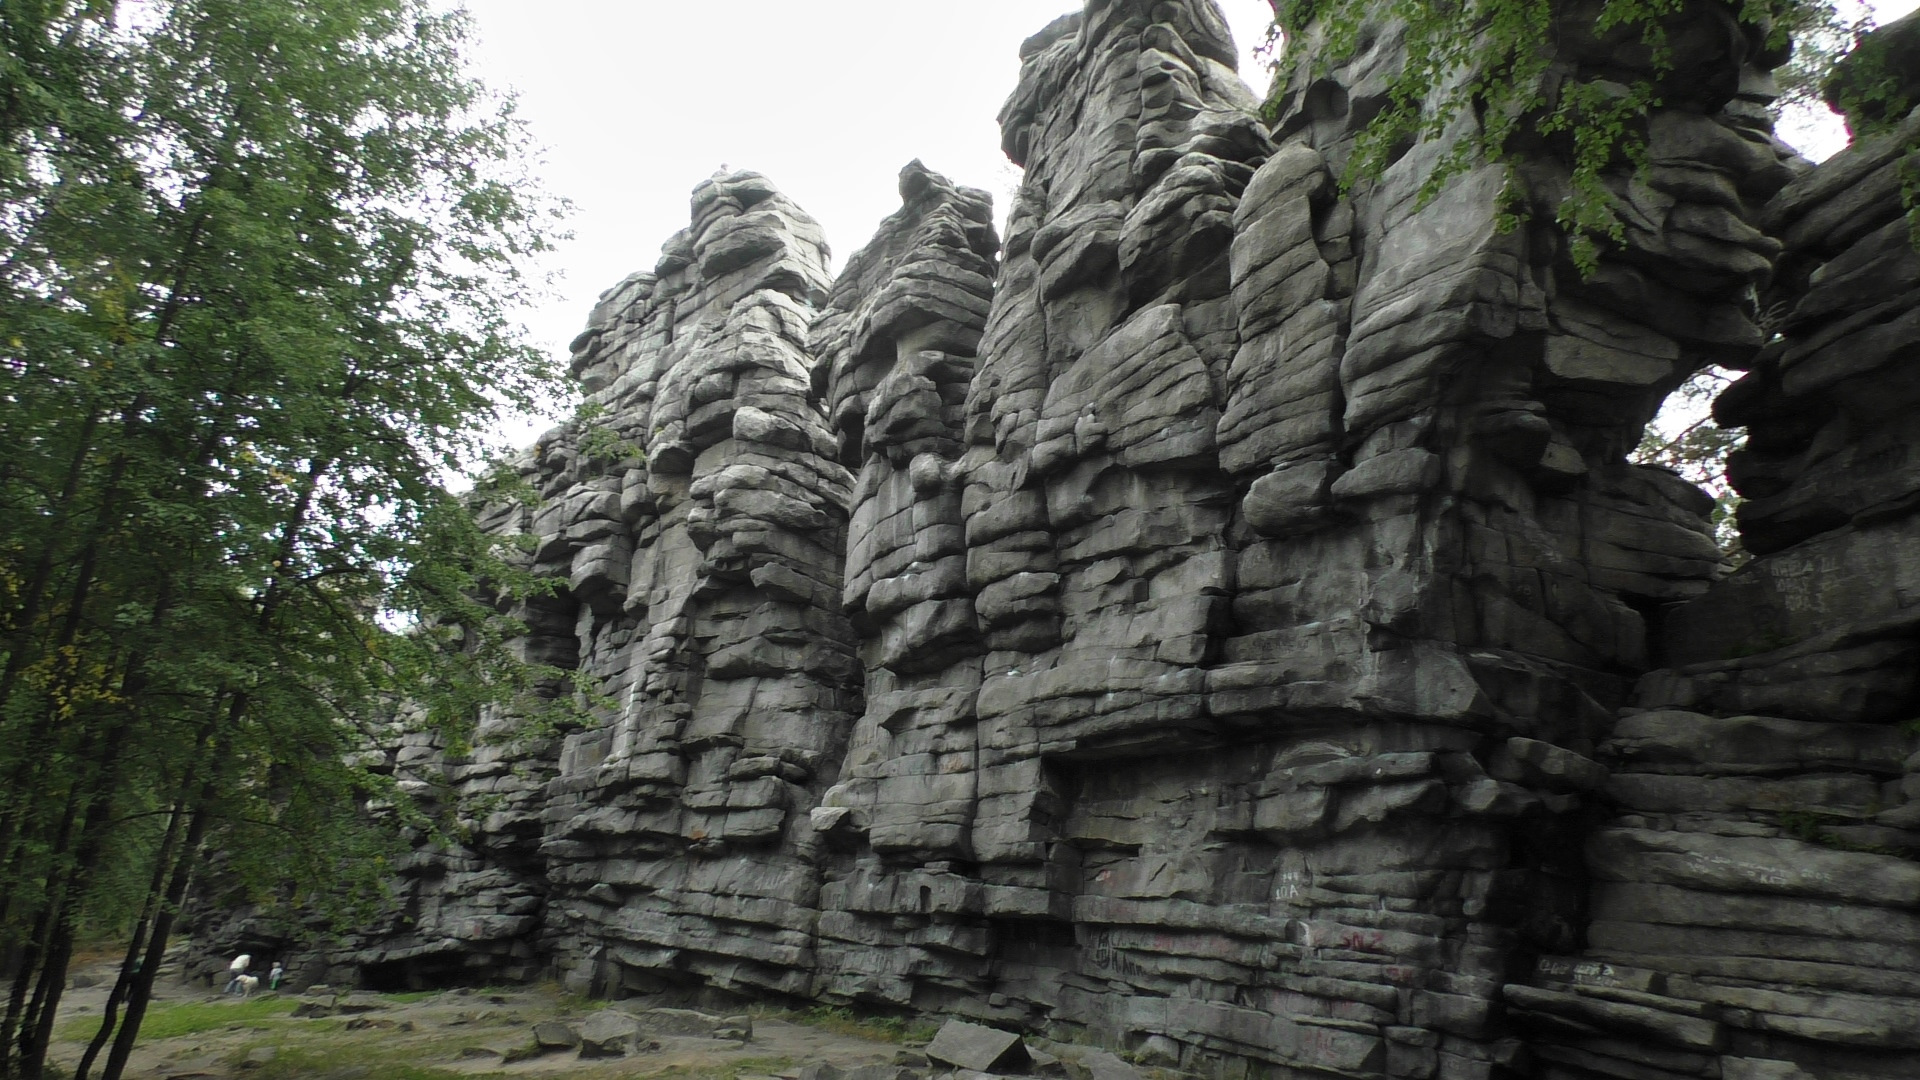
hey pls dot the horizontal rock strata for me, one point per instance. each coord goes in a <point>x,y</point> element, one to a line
<point>1218,619</point>
<point>1756,886</point>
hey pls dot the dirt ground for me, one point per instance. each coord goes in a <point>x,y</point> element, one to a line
<point>422,1037</point>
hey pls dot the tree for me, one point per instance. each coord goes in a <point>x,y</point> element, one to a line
<point>258,266</point>
<point>1684,438</point>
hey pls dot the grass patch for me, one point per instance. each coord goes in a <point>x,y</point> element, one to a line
<point>840,1020</point>
<point>166,1020</point>
<point>732,1070</point>
<point>352,1059</point>
<point>344,1063</point>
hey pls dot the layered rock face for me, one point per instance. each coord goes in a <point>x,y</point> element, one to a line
<point>677,837</point>
<point>1754,913</point>
<point>697,511</point>
<point>1221,619</point>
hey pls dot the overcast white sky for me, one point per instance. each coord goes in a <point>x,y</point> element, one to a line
<point>635,101</point>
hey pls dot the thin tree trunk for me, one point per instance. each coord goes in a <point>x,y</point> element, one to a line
<point>32,954</point>
<point>36,1028</point>
<point>95,831</point>
<point>171,871</point>
<point>17,1000</point>
<point>47,723</point>
<point>137,942</point>
<point>16,879</point>
<point>142,989</point>
<point>34,744</point>
<point>29,1023</point>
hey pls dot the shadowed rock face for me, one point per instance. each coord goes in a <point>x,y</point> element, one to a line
<point>1756,883</point>
<point>1221,619</point>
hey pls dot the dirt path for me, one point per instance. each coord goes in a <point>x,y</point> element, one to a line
<point>193,1033</point>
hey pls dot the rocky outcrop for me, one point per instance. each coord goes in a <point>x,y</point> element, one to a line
<point>677,836</point>
<point>1754,913</point>
<point>898,346</point>
<point>1220,619</point>
<point>696,510</point>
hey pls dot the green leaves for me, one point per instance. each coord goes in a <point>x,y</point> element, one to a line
<point>1487,78</point>
<point>602,443</point>
<point>1684,438</point>
<point>260,262</point>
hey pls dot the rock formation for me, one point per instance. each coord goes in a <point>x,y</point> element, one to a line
<point>1755,881</point>
<point>1221,620</point>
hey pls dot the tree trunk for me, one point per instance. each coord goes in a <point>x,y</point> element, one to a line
<point>136,943</point>
<point>47,724</point>
<point>29,610</point>
<point>141,991</point>
<point>34,951</point>
<point>96,828</point>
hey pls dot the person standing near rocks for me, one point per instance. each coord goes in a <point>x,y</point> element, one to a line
<point>236,969</point>
<point>278,972</point>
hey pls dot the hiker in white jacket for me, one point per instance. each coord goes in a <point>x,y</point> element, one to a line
<point>237,969</point>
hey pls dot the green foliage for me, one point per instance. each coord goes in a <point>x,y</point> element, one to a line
<point>1684,438</point>
<point>1811,827</point>
<point>602,443</point>
<point>1478,80</point>
<point>1866,83</point>
<point>171,1019</point>
<point>368,1063</point>
<point>1875,87</point>
<point>841,1020</point>
<point>260,265</point>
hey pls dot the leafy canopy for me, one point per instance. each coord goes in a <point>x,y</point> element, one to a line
<point>260,268</point>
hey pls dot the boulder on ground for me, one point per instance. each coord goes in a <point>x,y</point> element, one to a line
<point>313,1007</point>
<point>608,1033</point>
<point>975,1046</point>
<point>1100,1065</point>
<point>554,1035</point>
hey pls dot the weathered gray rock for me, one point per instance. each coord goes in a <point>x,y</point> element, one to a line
<point>1221,620</point>
<point>662,1021</point>
<point>973,1046</point>
<point>1760,869</point>
<point>608,1033</point>
<point>1100,1065</point>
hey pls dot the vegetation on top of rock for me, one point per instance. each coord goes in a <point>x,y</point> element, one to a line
<point>1483,60</point>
